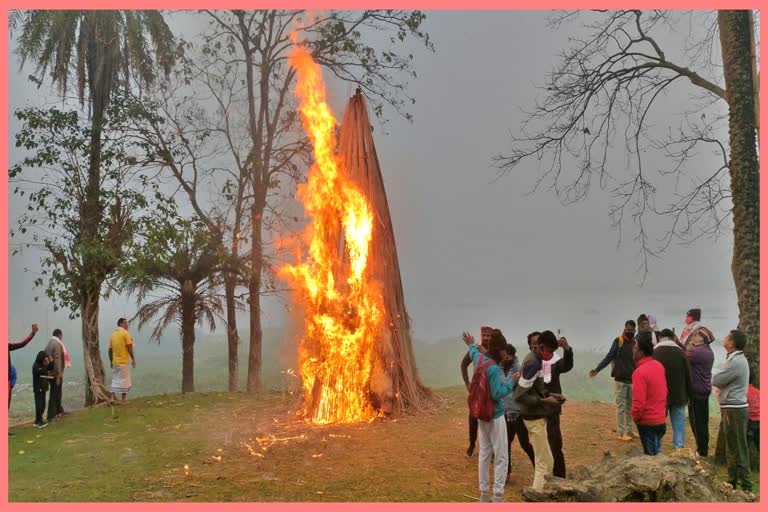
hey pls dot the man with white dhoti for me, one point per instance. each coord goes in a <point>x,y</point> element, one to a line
<point>120,355</point>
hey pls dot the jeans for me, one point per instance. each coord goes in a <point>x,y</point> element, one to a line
<point>516,427</point>
<point>650,437</point>
<point>544,462</point>
<point>676,415</point>
<point>39,406</point>
<point>555,438</point>
<point>698,415</point>
<point>493,438</point>
<point>623,393</point>
<point>734,422</point>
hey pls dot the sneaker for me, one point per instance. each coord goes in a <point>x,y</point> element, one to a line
<point>41,425</point>
<point>498,498</point>
<point>11,434</point>
<point>485,497</point>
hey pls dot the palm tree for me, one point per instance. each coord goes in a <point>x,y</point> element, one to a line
<point>180,261</point>
<point>102,50</point>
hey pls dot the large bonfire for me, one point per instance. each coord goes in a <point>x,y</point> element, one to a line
<point>355,356</point>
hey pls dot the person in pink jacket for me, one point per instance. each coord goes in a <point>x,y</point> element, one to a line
<point>649,395</point>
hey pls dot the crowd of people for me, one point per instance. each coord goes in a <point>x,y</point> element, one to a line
<point>657,375</point>
<point>50,363</point>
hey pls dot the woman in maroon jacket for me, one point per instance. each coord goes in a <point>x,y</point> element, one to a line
<point>649,395</point>
<point>701,359</point>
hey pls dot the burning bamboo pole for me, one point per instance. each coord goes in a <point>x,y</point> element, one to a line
<point>394,381</point>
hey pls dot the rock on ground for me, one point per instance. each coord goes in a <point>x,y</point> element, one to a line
<point>639,478</point>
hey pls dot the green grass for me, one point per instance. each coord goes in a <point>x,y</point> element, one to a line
<point>138,452</point>
<point>159,371</point>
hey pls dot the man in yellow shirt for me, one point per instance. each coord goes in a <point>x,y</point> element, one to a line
<point>120,354</point>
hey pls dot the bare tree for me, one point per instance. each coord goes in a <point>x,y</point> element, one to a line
<point>195,130</point>
<point>611,85</point>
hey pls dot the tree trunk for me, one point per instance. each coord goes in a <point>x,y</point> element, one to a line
<point>93,272</point>
<point>255,127</point>
<point>188,338</point>
<point>254,299</point>
<point>745,177</point>
<point>233,339</point>
<point>95,390</point>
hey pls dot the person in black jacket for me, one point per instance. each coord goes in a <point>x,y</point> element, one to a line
<point>678,373</point>
<point>42,374</point>
<point>485,337</point>
<point>536,403</point>
<point>622,357</point>
<point>552,382</point>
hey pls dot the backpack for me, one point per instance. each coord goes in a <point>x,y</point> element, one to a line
<point>480,401</point>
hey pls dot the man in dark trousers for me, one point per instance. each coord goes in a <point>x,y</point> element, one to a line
<point>701,358</point>
<point>485,336</point>
<point>57,352</point>
<point>678,375</point>
<point>552,371</point>
<point>622,356</point>
<point>732,382</point>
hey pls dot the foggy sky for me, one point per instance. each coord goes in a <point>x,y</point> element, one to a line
<point>466,243</point>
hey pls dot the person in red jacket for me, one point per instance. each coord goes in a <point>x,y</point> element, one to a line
<point>753,423</point>
<point>649,395</point>
<point>17,346</point>
<point>11,347</point>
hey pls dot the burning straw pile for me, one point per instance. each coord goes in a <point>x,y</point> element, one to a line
<point>355,357</point>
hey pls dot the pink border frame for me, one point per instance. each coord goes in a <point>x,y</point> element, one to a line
<point>340,4</point>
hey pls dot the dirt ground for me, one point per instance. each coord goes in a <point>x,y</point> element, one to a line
<point>233,447</point>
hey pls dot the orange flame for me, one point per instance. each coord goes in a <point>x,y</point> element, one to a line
<point>342,310</point>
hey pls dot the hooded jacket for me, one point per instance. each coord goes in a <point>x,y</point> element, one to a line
<point>39,384</point>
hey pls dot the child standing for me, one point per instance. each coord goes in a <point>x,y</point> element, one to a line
<point>41,375</point>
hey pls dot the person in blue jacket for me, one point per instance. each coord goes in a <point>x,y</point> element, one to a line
<point>493,434</point>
